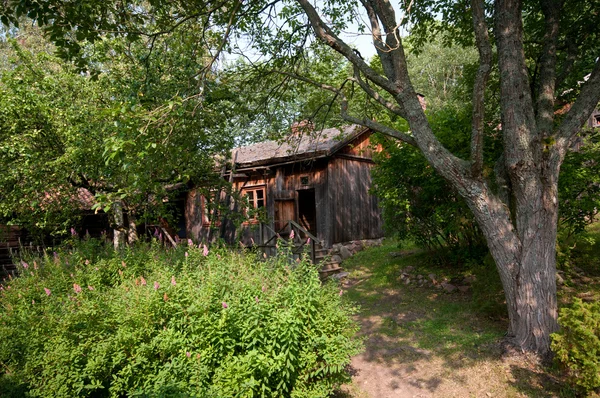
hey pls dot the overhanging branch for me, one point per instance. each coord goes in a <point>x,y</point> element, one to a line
<point>483,73</point>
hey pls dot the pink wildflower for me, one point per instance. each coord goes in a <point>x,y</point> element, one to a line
<point>173,281</point>
<point>90,287</point>
<point>224,304</point>
<point>188,354</point>
<point>341,292</point>
<point>205,251</point>
<point>87,262</point>
<point>72,275</point>
<point>186,254</point>
<point>73,232</point>
<point>256,299</point>
<point>77,288</point>
<point>156,286</point>
<point>1,287</point>
<point>48,292</point>
<point>292,234</point>
<point>190,243</point>
<point>264,288</point>
<point>32,302</point>
<point>25,265</point>
<point>142,281</point>
<point>308,241</point>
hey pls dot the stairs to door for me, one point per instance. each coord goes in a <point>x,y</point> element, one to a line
<point>303,241</point>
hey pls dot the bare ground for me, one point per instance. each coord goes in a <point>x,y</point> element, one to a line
<point>395,364</point>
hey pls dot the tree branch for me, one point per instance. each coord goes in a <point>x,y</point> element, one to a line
<point>324,33</point>
<point>547,75</point>
<point>352,119</point>
<point>518,118</point>
<point>376,96</point>
<point>582,108</point>
<point>483,72</point>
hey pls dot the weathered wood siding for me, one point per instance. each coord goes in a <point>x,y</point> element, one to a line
<point>354,213</point>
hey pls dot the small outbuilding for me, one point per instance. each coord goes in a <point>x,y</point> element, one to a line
<point>318,182</point>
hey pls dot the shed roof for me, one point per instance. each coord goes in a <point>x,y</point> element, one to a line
<point>297,146</point>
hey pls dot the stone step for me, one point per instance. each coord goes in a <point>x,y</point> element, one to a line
<point>330,271</point>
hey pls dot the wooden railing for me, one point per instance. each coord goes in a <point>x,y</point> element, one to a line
<point>297,241</point>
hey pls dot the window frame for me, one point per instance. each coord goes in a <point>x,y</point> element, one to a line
<point>253,203</point>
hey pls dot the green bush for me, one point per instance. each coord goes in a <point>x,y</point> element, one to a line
<point>150,322</point>
<point>577,344</point>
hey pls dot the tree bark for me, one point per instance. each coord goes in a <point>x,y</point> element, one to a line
<point>132,235</point>
<point>119,225</point>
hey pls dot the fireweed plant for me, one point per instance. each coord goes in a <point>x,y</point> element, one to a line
<point>191,321</point>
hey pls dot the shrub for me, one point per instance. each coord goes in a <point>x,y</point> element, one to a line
<point>577,344</point>
<point>150,322</point>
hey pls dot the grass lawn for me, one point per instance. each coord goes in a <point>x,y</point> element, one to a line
<point>423,341</point>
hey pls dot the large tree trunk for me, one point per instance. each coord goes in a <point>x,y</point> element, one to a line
<point>526,260</point>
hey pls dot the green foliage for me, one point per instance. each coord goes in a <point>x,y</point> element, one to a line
<point>577,344</point>
<point>149,322</point>
<point>417,203</point>
<point>125,136</point>
<point>579,187</point>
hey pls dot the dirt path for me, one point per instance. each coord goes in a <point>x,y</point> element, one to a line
<point>396,324</point>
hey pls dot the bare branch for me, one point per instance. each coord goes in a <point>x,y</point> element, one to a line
<point>483,73</point>
<point>373,125</point>
<point>325,33</point>
<point>376,96</point>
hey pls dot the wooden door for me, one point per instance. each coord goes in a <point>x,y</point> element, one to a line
<point>284,211</point>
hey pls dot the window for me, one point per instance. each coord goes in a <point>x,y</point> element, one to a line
<point>256,200</point>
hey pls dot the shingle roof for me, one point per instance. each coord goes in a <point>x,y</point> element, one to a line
<point>297,147</point>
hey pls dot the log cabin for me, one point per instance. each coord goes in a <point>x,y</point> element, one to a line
<point>318,181</point>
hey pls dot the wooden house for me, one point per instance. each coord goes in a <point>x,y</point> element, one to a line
<point>318,182</point>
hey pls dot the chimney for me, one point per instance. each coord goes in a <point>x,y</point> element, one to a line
<point>303,127</point>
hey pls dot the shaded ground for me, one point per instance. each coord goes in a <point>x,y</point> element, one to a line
<point>424,342</point>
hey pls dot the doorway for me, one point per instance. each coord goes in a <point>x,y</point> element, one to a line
<point>307,210</point>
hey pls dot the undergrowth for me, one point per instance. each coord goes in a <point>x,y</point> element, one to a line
<point>88,321</point>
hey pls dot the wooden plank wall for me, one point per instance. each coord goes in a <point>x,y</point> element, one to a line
<point>354,212</point>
